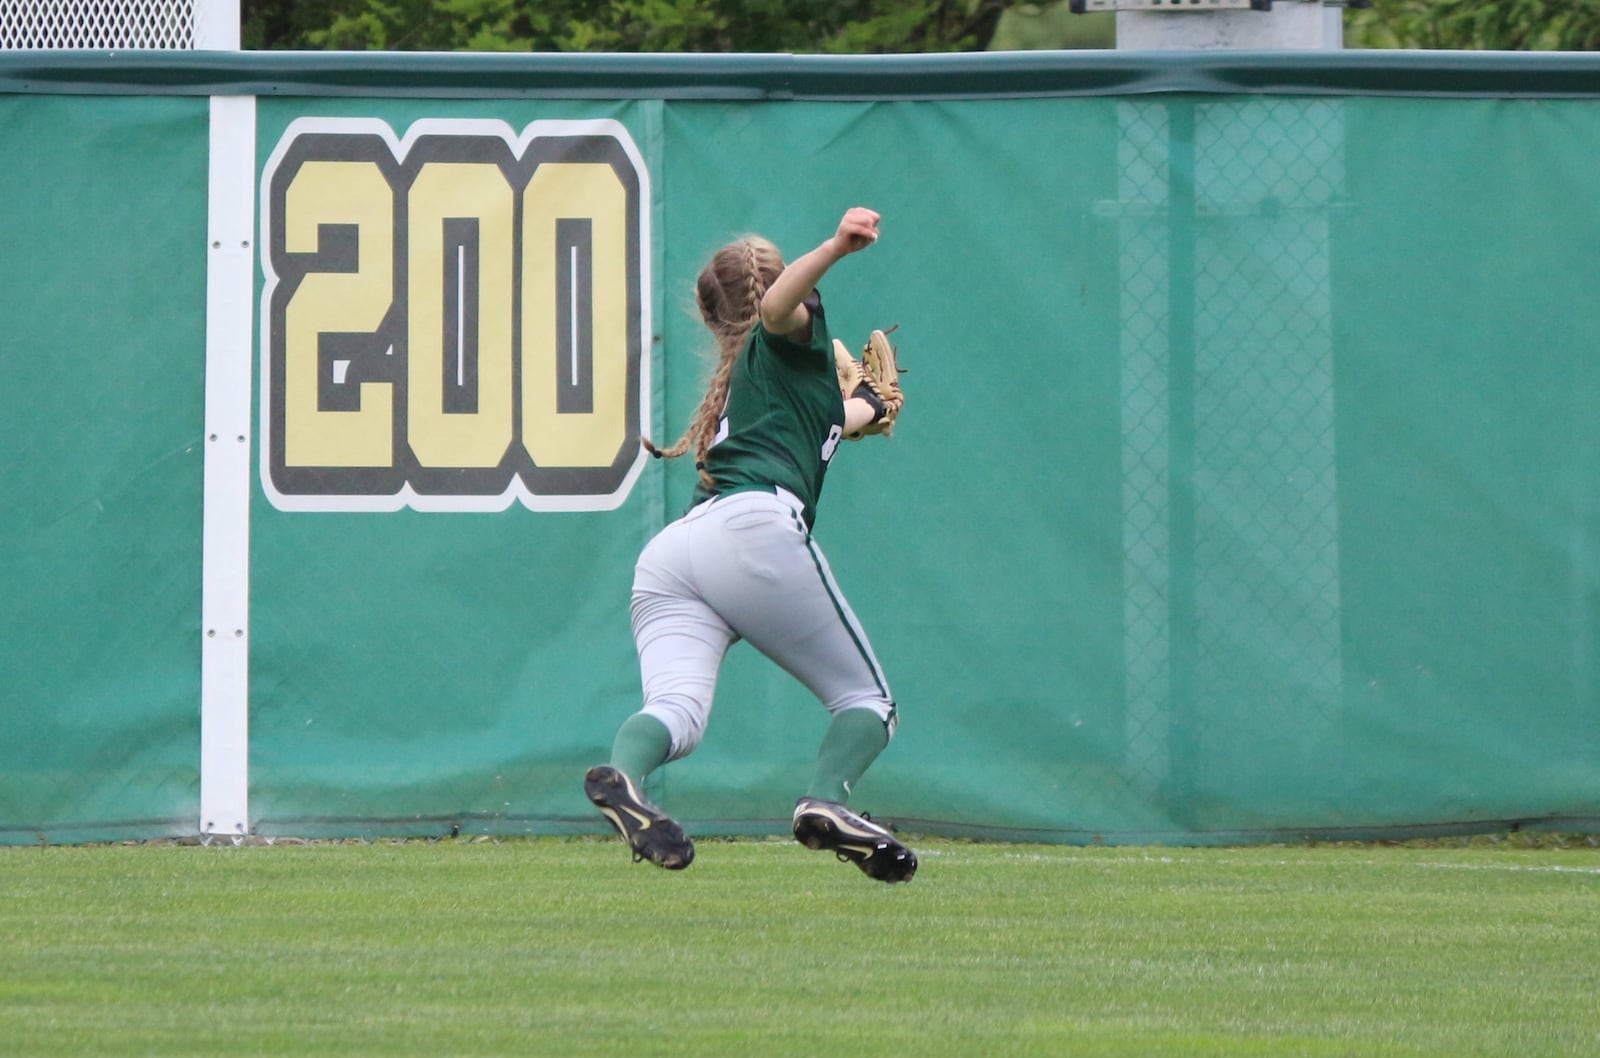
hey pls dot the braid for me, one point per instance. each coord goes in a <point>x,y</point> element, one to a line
<point>755,284</point>
<point>729,292</point>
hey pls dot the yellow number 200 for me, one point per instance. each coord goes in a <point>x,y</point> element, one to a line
<point>454,321</point>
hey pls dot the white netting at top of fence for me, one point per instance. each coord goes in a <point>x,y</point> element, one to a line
<point>95,24</point>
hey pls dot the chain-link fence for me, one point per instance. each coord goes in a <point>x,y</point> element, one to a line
<point>1283,526</point>
<point>55,25</point>
<point>1229,508</point>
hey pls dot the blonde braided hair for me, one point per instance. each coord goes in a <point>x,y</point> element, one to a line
<point>728,292</point>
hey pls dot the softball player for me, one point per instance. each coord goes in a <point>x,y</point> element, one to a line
<point>742,564</point>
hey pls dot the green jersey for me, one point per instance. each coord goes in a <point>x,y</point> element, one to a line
<point>784,417</point>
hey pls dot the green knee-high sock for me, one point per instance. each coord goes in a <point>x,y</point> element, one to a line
<point>641,746</point>
<point>853,741</point>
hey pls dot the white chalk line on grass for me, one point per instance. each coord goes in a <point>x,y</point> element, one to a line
<point>1072,856</point>
<point>1068,859</point>
<point>1554,868</point>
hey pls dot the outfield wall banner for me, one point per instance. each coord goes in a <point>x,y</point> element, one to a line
<point>102,332</point>
<point>477,278</point>
<point>1247,489</point>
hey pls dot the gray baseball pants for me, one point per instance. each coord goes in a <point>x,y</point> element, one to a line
<point>744,566</point>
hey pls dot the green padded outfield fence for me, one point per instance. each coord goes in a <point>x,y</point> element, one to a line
<point>1249,488</point>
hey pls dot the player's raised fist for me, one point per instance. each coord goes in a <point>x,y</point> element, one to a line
<point>858,229</point>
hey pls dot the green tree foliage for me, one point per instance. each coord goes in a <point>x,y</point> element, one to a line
<point>848,26</point>
<point>1506,25</point>
<point>1053,26</point>
<point>283,24</point>
<point>852,26</point>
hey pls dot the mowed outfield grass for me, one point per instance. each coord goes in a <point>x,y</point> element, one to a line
<point>562,947</point>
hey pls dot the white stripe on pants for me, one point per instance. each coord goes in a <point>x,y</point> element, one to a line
<point>743,566</point>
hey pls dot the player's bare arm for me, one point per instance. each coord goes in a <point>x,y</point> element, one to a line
<point>781,308</point>
<point>858,413</point>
